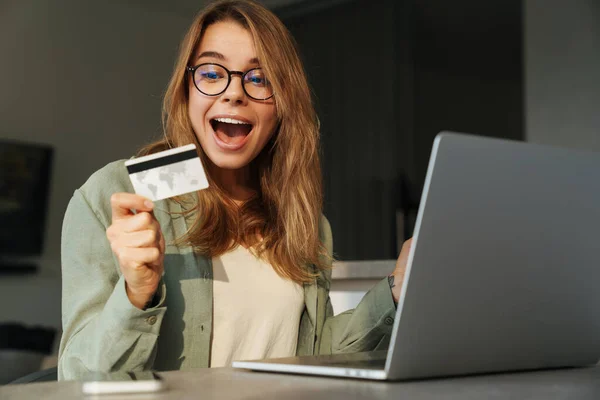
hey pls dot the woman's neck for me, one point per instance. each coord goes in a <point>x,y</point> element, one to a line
<point>238,183</point>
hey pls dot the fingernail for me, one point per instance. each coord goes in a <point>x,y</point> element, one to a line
<point>149,204</point>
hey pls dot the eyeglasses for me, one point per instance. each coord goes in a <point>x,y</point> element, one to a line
<point>213,79</point>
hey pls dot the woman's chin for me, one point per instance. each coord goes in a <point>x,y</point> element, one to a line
<point>229,162</point>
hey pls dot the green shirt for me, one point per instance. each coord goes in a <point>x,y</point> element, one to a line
<point>103,331</point>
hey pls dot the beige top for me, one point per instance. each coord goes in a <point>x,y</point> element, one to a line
<point>256,313</point>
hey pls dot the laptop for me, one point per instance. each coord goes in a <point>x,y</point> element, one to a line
<point>504,270</point>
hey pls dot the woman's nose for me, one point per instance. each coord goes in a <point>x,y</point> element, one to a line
<point>234,92</point>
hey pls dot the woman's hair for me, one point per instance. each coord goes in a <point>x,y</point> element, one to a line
<point>286,209</point>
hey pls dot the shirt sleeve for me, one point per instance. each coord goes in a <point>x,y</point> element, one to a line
<point>368,327</point>
<point>102,330</point>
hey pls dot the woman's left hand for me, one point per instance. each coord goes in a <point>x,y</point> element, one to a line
<point>397,277</point>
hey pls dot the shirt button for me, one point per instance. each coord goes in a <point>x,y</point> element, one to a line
<point>151,320</point>
<point>389,320</point>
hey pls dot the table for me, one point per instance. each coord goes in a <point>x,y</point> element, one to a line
<point>229,383</point>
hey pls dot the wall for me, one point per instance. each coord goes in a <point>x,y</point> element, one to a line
<point>562,67</point>
<point>86,77</point>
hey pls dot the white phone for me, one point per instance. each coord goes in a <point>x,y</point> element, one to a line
<point>123,382</point>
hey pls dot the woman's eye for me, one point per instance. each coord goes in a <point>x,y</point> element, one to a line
<point>210,75</point>
<point>257,80</point>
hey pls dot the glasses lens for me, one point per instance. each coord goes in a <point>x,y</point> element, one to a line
<point>257,85</point>
<point>211,79</point>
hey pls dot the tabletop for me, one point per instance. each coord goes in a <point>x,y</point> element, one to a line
<point>229,383</point>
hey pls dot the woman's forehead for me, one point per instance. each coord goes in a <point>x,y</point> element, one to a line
<point>227,41</point>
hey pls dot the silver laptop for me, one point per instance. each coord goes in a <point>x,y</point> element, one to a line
<point>504,271</point>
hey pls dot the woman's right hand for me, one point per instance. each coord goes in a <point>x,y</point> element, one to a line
<point>138,243</point>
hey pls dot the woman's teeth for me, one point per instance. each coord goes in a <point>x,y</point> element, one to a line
<point>231,121</point>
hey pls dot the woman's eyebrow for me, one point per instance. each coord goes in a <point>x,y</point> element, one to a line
<point>212,54</point>
<point>219,56</point>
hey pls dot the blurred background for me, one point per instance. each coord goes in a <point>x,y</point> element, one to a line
<point>82,81</point>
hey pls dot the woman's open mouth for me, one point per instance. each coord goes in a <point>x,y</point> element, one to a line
<point>230,133</point>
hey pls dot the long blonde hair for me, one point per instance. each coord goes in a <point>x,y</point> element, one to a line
<point>286,210</point>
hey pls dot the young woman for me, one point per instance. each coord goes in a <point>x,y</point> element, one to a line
<point>240,270</point>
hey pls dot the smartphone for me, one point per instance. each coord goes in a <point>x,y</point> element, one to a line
<point>123,382</point>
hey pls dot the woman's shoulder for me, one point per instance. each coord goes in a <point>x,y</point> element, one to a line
<point>325,234</point>
<point>109,179</point>
<point>112,178</point>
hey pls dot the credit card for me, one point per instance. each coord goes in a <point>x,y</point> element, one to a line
<point>168,173</point>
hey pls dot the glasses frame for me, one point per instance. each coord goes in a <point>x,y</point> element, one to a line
<point>242,75</point>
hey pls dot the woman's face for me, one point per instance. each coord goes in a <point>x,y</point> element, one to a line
<point>232,128</point>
